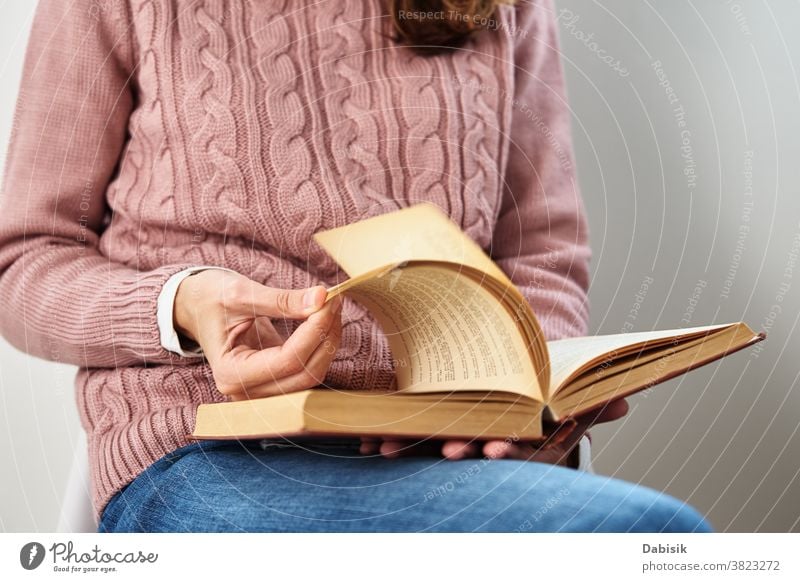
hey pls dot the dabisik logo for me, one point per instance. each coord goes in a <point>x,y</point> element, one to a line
<point>31,555</point>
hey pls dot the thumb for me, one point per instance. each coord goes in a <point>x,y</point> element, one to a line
<point>291,303</point>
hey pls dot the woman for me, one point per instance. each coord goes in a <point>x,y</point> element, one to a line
<point>155,140</point>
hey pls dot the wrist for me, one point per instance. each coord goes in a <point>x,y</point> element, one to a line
<point>182,316</point>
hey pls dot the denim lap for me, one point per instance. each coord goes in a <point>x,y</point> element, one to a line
<point>247,487</point>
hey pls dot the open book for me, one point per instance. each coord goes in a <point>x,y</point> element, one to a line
<point>470,357</point>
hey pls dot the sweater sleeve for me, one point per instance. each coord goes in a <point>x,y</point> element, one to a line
<point>170,338</point>
<point>541,238</point>
<point>62,299</point>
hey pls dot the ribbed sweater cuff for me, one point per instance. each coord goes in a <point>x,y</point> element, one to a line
<point>133,314</point>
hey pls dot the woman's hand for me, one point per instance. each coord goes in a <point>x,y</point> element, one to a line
<point>508,449</point>
<point>228,315</point>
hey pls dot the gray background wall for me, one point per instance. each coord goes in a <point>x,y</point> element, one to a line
<point>691,225</point>
<point>697,228</point>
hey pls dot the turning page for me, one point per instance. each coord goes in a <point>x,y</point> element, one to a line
<point>447,332</point>
<point>419,233</point>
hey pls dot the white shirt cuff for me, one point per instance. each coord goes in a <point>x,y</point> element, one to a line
<point>585,455</point>
<point>164,314</point>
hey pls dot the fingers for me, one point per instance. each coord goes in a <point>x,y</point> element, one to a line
<point>307,337</point>
<point>281,369</point>
<point>370,446</point>
<point>312,376</point>
<point>497,449</point>
<point>259,335</point>
<point>554,455</point>
<point>264,334</point>
<point>393,448</point>
<point>241,345</point>
<point>289,303</point>
<point>456,450</point>
<point>611,411</point>
<point>214,294</point>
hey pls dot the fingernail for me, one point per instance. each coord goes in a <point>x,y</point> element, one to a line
<point>309,300</point>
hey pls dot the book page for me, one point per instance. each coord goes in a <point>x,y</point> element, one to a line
<point>570,356</point>
<point>447,332</point>
<point>655,366</point>
<point>420,232</point>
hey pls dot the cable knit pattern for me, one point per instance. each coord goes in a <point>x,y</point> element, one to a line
<point>154,135</point>
<point>351,131</point>
<point>481,137</point>
<point>423,143</point>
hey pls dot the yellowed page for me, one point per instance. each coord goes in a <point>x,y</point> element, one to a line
<point>447,332</point>
<point>420,232</point>
<point>570,356</point>
<point>656,366</point>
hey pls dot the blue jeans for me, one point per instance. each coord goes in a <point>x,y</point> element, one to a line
<point>328,487</point>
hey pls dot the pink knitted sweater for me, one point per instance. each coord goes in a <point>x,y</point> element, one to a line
<point>154,135</point>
